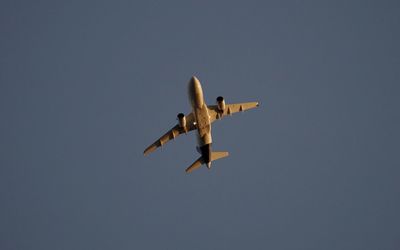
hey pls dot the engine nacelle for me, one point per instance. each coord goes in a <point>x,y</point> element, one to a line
<point>182,120</point>
<point>221,103</point>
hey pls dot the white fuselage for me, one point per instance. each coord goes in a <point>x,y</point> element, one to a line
<point>200,112</point>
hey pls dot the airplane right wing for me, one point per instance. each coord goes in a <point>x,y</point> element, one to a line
<point>172,134</point>
<point>216,114</point>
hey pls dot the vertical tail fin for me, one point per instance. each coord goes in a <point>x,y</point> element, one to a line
<point>214,156</point>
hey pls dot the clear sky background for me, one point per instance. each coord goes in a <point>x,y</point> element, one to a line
<point>85,86</point>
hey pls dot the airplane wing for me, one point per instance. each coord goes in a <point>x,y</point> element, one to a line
<point>172,134</point>
<point>216,114</point>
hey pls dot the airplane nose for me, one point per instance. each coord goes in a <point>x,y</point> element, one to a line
<point>194,80</point>
<point>195,92</point>
<point>194,85</point>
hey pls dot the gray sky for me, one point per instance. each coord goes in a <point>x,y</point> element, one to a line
<point>85,86</point>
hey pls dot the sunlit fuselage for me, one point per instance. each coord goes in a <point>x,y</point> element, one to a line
<point>202,118</point>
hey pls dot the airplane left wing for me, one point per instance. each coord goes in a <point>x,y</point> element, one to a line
<point>216,114</point>
<point>172,134</point>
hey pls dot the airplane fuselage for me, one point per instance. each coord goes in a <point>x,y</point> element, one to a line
<point>202,118</point>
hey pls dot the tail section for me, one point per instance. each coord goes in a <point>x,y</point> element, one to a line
<point>214,156</point>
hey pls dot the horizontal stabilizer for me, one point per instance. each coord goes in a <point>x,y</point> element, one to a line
<point>218,155</point>
<point>195,165</point>
<point>214,156</point>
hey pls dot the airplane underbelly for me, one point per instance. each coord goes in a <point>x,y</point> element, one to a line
<point>203,125</point>
<point>204,140</point>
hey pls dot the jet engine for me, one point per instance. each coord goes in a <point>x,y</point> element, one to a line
<point>182,120</point>
<point>221,103</point>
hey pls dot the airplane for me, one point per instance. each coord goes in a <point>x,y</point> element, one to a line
<point>200,119</point>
